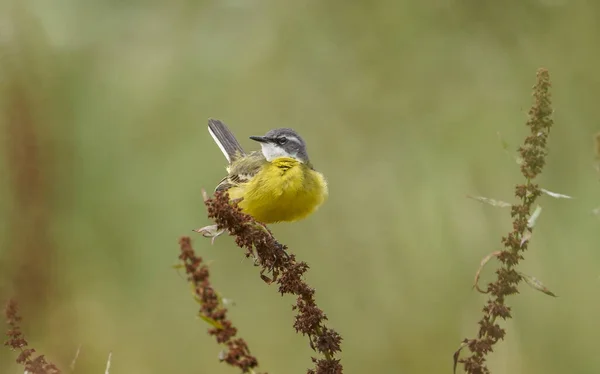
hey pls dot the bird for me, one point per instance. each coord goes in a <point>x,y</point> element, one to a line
<point>277,183</point>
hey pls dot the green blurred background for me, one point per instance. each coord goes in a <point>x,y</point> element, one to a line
<point>104,152</point>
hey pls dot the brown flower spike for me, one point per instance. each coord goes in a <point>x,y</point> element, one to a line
<point>212,310</point>
<point>533,153</point>
<point>17,342</point>
<point>282,268</point>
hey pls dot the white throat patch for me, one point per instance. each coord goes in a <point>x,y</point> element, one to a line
<point>272,151</point>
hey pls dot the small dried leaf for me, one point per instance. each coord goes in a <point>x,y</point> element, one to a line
<point>204,195</point>
<point>210,321</point>
<point>75,358</point>
<point>536,284</point>
<point>492,202</point>
<point>266,279</point>
<point>526,237</point>
<point>210,231</point>
<point>195,295</point>
<point>457,354</point>
<point>481,265</point>
<point>534,216</point>
<point>555,195</point>
<point>107,371</point>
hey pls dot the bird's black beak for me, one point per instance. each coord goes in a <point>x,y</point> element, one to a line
<point>260,139</point>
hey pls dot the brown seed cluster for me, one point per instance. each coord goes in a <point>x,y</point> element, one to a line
<point>17,342</point>
<point>212,310</point>
<point>282,268</point>
<point>533,153</point>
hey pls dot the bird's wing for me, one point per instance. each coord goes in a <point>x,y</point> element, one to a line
<point>242,171</point>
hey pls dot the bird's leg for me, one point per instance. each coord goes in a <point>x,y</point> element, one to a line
<point>211,231</point>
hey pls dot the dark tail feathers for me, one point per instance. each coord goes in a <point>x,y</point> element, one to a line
<point>225,140</point>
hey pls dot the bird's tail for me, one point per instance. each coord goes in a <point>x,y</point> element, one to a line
<point>225,140</point>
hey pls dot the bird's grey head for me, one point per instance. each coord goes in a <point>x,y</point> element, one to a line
<point>282,142</point>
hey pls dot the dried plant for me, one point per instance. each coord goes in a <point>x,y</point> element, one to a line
<point>277,266</point>
<point>532,159</point>
<point>213,311</point>
<point>17,342</point>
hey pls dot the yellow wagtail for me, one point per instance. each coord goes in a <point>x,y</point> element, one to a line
<point>275,184</point>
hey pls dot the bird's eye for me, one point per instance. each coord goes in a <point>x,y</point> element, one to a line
<point>282,140</point>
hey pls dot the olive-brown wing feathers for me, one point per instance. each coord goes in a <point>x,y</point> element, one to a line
<point>242,170</point>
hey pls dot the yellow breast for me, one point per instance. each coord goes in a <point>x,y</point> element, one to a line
<point>283,190</point>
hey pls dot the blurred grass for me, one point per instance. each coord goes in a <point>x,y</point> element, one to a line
<point>400,103</point>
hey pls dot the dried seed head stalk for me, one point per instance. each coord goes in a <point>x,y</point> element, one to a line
<point>533,153</point>
<point>282,268</point>
<point>212,310</point>
<point>16,341</point>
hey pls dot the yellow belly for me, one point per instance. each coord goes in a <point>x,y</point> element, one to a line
<point>283,190</point>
